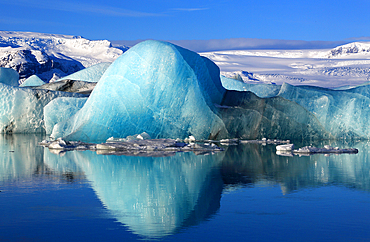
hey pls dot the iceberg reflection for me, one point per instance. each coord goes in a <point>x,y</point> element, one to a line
<point>153,196</point>
<point>251,164</point>
<point>158,196</point>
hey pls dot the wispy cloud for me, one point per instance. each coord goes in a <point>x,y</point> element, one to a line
<point>189,9</point>
<point>82,8</point>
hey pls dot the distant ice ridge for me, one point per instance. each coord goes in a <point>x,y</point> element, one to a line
<point>344,65</point>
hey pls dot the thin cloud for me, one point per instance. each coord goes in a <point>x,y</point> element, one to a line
<point>189,9</point>
<point>82,8</point>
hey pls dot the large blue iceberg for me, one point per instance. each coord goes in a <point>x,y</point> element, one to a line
<point>170,92</point>
<point>155,87</point>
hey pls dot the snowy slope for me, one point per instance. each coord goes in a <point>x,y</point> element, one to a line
<point>344,65</point>
<point>49,55</point>
<point>52,56</point>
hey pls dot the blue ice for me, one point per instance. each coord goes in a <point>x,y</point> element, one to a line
<point>154,87</point>
<point>90,74</point>
<point>60,109</point>
<point>22,108</point>
<point>32,81</point>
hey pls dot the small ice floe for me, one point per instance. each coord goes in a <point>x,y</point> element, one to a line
<point>265,141</point>
<point>141,136</point>
<point>326,150</point>
<point>287,150</point>
<point>229,141</point>
<point>189,140</point>
<point>287,147</point>
<point>138,146</point>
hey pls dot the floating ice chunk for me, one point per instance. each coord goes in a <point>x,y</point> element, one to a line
<point>287,147</point>
<point>154,87</point>
<point>131,147</point>
<point>61,109</point>
<point>9,76</point>
<point>327,149</point>
<point>343,113</point>
<point>32,81</point>
<point>22,109</point>
<point>90,74</point>
<point>246,116</point>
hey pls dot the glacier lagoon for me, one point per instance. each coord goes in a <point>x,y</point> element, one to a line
<point>247,192</point>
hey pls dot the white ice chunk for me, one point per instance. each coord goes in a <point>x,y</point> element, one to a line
<point>287,147</point>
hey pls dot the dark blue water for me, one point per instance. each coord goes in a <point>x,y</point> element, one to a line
<point>247,193</point>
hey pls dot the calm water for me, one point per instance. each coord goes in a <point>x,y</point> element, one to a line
<point>247,193</point>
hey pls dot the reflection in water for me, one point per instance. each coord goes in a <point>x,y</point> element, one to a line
<point>251,163</point>
<point>153,196</point>
<point>158,196</point>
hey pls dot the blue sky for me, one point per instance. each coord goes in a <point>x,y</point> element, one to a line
<point>328,20</point>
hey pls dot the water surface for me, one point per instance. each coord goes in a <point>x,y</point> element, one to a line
<point>245,193</point>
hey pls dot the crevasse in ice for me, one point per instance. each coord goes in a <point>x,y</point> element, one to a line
<point>22,108</point>
<point>90,74</point>
<point>154,87</point>
<point>9,76</point>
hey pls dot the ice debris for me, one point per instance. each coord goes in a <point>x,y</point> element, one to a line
<point>288,150</point>
<point>132,147</point>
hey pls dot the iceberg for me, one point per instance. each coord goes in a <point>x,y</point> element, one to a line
<point>247,116</point>
<point>343,113</point>
<point>154,87</point>
<point>90,74</point>
<point>9,76</point>
<point>32,81</point>
<point>60,109</point>
<point>22,108</point>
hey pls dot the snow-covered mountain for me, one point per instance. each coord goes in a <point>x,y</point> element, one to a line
<point>345,65</point>
<point>52,56</point>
